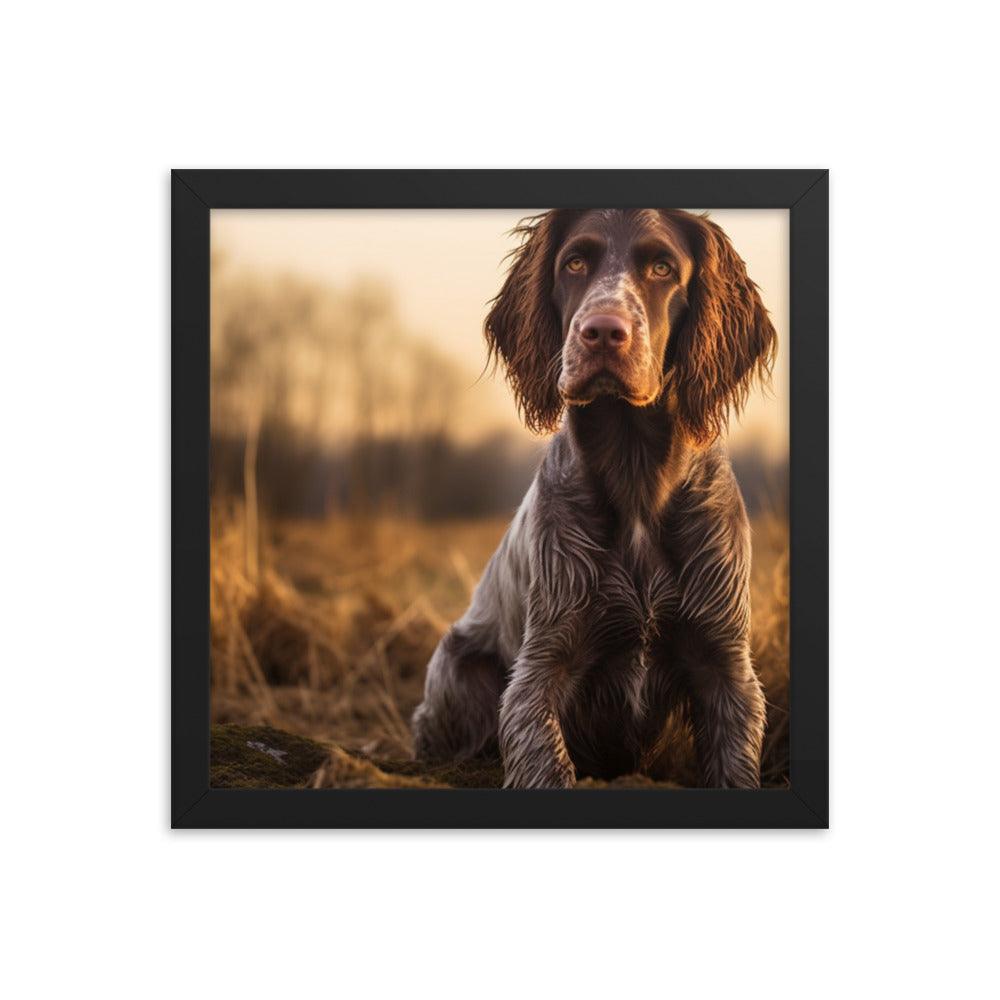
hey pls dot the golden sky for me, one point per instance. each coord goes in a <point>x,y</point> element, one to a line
<point>446,264</point>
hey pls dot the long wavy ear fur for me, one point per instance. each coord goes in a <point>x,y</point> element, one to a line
<point>522,328</point>
<point>728,339</point>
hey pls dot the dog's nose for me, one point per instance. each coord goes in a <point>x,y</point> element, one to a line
<point>606,331</point>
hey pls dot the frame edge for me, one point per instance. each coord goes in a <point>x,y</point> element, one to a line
<point>189,453</point>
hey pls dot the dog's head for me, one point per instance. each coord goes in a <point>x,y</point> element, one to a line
<point>641,304</point>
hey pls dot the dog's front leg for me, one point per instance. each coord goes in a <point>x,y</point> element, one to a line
<point>531,739</point>
<point>727,707</point>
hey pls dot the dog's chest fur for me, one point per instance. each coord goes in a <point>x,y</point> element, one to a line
<point>635,602</point>
<point>630,617</point>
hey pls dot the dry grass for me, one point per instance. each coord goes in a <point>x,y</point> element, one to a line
<point>332,641</point>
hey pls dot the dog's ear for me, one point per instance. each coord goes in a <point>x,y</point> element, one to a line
<point>728,339</point>
<point>523,329</point>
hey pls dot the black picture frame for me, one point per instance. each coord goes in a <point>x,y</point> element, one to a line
<point>194,193</point>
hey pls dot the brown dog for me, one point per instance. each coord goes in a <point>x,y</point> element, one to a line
<point>620,591</point>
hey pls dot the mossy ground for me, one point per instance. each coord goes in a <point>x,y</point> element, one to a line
<point>265,757</point>
<point>262,757</point>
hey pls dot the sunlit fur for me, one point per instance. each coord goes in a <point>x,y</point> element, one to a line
<point>523,330</point>
<point>619,594</point>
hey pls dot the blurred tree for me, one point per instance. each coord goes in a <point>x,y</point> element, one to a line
<point>320,398</point>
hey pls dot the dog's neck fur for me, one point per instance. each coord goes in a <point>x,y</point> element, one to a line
<point>636,456</point>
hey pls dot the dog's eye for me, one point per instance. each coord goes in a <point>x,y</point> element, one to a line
<point>662,269</point>
<point>576,264</point>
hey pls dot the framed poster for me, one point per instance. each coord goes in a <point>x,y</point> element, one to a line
<point>499,498</point>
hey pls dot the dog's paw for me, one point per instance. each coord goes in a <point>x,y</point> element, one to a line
<point>540,773</point>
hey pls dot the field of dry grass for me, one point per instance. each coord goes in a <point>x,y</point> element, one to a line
<point>331,640</point>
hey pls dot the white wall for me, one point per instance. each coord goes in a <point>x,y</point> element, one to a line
<point>99,898</point>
